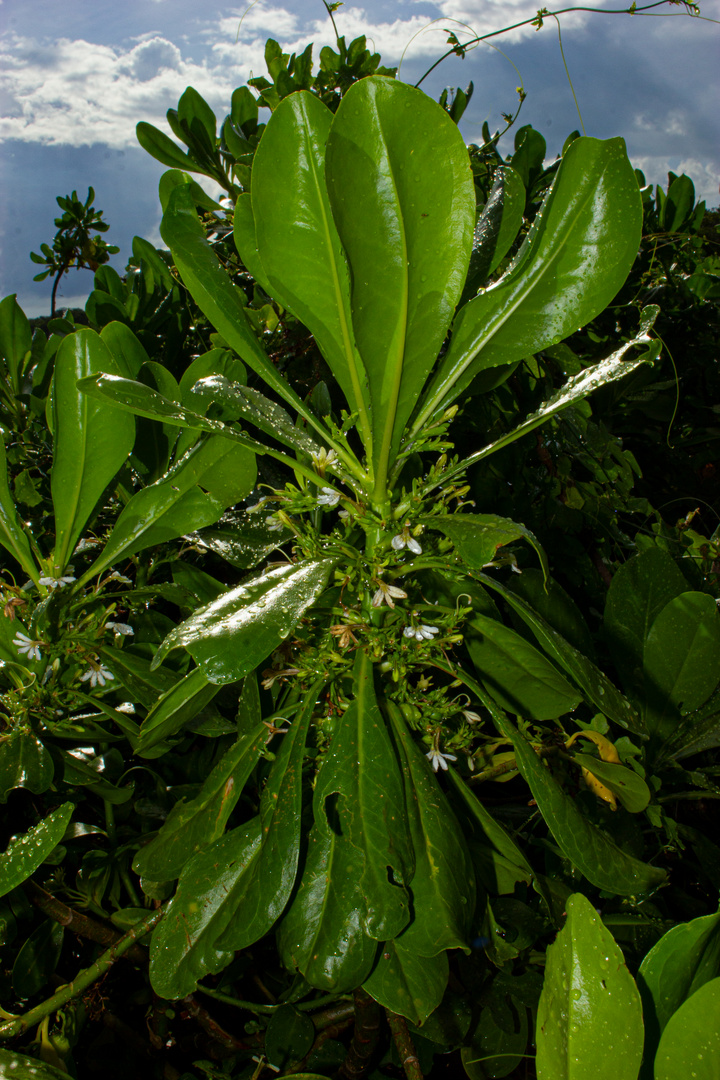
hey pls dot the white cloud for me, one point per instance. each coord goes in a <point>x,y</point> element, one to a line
<point>705,176</point>
<point>78,93</point>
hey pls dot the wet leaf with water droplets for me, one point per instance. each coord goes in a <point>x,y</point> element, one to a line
<point>25,853</point>
<point>589,1020</point>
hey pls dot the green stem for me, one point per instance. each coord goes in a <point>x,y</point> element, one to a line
<point>83,980</point>
<point>110,823</point>
<point>252,1006</point>
<point>404,1045</point>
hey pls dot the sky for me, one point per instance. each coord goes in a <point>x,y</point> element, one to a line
<point>77,75</point>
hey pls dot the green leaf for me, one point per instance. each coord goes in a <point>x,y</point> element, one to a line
<point>133,672</point>
<point>631,790</point>
<point>594,684</point>
<point>589,1017</point>
<point>496,229</point>
<point>263,893</point>
<point>289,1037</point>
<point>679,204</point>
<point>258,410</point>
<point>403,200</point>
<point>638,592</point>
<point>20,1067</point>
<point>184,945</point>
<point>37,959</point>
<point>681,661</point>
<point>683,960</point>
<point>177,707</point>
<point>92,440</point>
<point>362,770</point>
<point>517,675</point>
<point>478,537</point>
<point>214,914</point>
<point>574,260</point>
<point>193,825</point>
<point>174,177</point>
<point>194,111</point>
<point>194,493</point>
<point>496,1049</point>
<point>24,763</point>
<point>297,243</point>
<point>246,241</point>
<point>504,864</point>
<point>549,600</point>
<point>321,934</point>
<point>15,340</point>
<point>241,540</point>
<point>442,889</point>
<point>590,849</point>
<point>215,294</point>
<point>12,535</point>
<point>216,362</point>
<point>690,1044</point>
<point>232,635</point>
<point>410,985</point>
<point>163,149</point>
<point>604,373</point>
<point>25,853</point>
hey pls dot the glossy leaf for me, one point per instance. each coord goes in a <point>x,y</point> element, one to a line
<point>20,1067</point>
<point>25,853</point>
<point>517,675</point>
<point>193,825</point>
<point>442,887</point>
<point>177,707</point>
<point>681,660</point>
<point>496,1050</point>
<point>289,1037</point>
<point>590,849</point>
<point>92,440</point>
<point>572,263</point>
<point>549,600</point>
<point>505,864</point>
<point>589,1017</point>
<point>243,540</point>
<point>12,535</point>
<point>15,340</point>
<point>631,790</point>
<point>321,933</point>
<point>496,228</point>
<point>38,958</point>
<point>478,537</point>
<point>216,362</point>
<point>403,201</point>
<point>260,411</point>
<point>603,373</point>
<point>24,763</point>
<point>405,983</point>
<point>682,961</point>
<point>594,684</point>
<point>246,241</point>
<point>194,493</point>
<point>184,945</point>
<point>172,179</point>
<point>163,149</point>
<point>362,770</point>
<point>133,672</point>
<point>298,246</point>
<point>216,912</point>
<point>127,350</point>
<point>638,592</point>
<point>215,294</point>
<point>690,1044</point>
<point>230,636</point>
